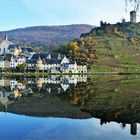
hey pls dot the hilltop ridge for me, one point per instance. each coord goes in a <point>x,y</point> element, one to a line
<point>108,48</point>
<point>46,36</point>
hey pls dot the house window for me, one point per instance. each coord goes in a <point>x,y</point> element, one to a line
<point>4,50</point>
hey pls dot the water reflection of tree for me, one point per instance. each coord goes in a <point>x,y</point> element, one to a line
<point>109,100</point>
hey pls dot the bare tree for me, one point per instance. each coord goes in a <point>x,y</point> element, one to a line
<point>134,3</point>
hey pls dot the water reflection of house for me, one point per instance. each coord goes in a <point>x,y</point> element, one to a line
<point>21,86</point>
<point>4,82</point>
<point>64,82</point>
<point>4,99</point>
<point>13,83</point>
<point>8,96</point>
<point>52,79</point>
<point>16,93</point>
<point>53,88</point>
<point>69,79</point>
<point>39,83</point>
<point>52,85</point>
<point>65,86</point>
<point>49,84</point>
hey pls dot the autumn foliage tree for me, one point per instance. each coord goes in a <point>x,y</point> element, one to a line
<point>134,3</point>
<point>74,46</point>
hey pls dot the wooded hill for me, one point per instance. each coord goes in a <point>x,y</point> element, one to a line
<point>109,48</point>
<point>46,36</point>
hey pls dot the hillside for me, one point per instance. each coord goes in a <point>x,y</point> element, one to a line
<point>46,36</point>
<point>109,48</point>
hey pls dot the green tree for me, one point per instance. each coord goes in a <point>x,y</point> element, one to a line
<point>23,66</point>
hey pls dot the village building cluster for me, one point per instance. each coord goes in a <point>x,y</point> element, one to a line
<point>13,55</point>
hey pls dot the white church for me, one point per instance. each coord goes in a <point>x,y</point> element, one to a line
<point>8,47</point>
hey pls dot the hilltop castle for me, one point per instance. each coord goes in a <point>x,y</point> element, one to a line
<point>113,28</point>
<point>133,17</point>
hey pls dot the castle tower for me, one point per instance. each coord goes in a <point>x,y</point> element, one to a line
<point>133,17</point>
<point>101,23</point>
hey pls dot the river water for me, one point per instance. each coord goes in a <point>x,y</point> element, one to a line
<point>70,108</point>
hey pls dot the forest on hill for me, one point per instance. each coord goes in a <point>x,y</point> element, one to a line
<point>46,37</point>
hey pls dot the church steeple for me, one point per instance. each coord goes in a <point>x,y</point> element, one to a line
<point>5,37</point>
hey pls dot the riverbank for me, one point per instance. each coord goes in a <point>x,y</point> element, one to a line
<point>36,74</point>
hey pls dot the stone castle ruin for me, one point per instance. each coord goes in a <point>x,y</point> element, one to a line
<point>133,17</point>
<point>107,27</point>
<point>114,28</point>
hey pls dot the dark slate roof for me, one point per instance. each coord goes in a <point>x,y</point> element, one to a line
<point>56,56</point>
<point>32,61</point>
<point>1,58</point>
<point>52,61</point>
<point>27,49</point>
<point>13,46</point>
<point>5,57</point>
<point>44,56</point>
<point>81,63</point>
<point>72,62</point>
<point>41,55</point>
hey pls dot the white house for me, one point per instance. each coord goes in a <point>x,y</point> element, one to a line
<point>64,65</point>
<point>53,63</point>
<point>15,61</point>
<point>13,83</point>
<point>21,60</point>
<point>4,64</point>
<point>68,66</point>
<point>81,67</point>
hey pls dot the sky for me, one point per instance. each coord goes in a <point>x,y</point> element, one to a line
<point>24,13</point>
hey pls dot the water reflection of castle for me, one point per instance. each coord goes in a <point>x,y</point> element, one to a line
<point>133,126</point>
<point>14,89</point>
